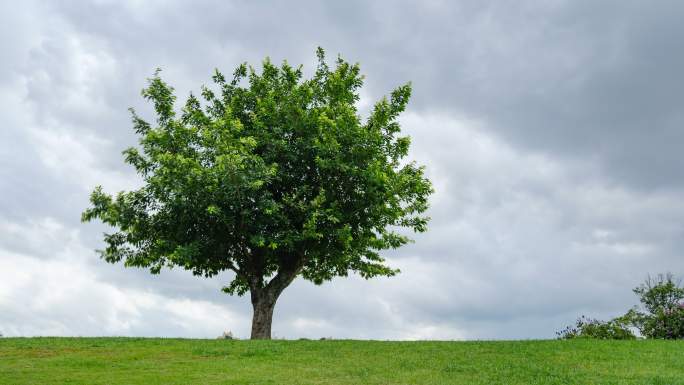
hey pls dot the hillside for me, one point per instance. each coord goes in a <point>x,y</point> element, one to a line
<point>181,361</point>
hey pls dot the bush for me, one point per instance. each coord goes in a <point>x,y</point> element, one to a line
<point>665,324</point>
<point>662,316</point>
<point>615,329</point>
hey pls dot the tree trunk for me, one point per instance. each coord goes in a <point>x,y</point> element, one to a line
<point>264,299</point>
<point>263,305</point>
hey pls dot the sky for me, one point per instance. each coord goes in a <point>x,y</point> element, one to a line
<point>550,129</point>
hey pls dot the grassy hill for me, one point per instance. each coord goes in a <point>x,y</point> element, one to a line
<point>179,361</point>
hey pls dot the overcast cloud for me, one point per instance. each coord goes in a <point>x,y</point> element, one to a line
<point>551,130</point>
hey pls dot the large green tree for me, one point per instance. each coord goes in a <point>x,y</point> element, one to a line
<point>272,177</point>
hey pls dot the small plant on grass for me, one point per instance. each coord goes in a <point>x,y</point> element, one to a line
<point>226,336</point>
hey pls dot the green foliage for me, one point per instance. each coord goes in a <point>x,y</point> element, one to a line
<point>661,298</point>
<point>129,361</point>
<point>615,329</point>
<point>662,318</point>
<point>271,176</point>
<point>661,292</point>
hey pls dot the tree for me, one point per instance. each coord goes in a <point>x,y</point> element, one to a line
<point>661,298</point>
<point>271,177</point>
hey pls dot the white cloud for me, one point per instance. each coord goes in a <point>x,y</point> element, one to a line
<point>63,296</point>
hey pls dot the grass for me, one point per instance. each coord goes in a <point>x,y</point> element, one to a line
<point>180,361</point>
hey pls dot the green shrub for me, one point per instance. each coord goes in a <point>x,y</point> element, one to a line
<point>584,327</point>
<point>662,316</point>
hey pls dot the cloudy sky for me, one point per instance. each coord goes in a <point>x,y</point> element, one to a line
<point>552,131</point>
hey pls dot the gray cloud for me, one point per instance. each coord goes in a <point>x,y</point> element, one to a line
<point>575,79</point>
<point>550,130</point>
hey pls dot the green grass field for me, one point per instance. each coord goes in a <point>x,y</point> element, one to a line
<point>178,361</point>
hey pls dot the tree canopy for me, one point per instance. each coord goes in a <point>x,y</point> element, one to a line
<point>268,175</point>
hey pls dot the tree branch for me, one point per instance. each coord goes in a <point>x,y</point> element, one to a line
<point>286,274</point>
